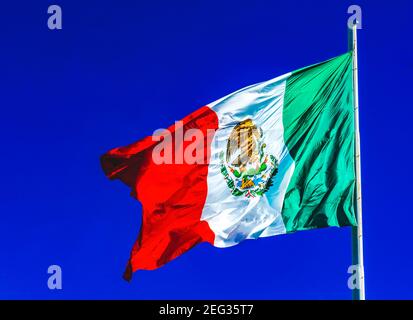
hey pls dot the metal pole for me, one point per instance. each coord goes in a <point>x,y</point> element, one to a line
<point>357,232</point>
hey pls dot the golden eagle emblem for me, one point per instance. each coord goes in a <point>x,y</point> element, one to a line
<point>246,167</point>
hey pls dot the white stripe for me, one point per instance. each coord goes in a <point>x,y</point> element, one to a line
<point>235,218</point>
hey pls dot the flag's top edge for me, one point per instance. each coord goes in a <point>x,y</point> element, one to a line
<point>346,55</point>
<point>278,79</point>
<point>253,87</point>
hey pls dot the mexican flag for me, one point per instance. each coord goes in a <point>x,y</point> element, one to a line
<point>272,158</point>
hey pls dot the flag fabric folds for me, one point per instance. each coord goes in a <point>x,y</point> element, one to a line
<point>272,158</point>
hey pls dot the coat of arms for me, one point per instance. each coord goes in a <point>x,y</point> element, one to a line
<point>248,170</point>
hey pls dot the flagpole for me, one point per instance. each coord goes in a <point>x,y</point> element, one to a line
<point>357,232</point>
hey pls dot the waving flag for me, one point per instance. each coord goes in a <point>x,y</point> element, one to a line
<point>272,158</point>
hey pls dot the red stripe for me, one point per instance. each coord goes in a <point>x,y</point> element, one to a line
<point>172,195</point>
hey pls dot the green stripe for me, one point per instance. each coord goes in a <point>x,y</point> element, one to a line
<point>318,120</point>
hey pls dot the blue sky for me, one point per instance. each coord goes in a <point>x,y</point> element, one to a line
<point>119,70</point>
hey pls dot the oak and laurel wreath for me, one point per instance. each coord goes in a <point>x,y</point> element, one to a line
<point>237,192</point>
